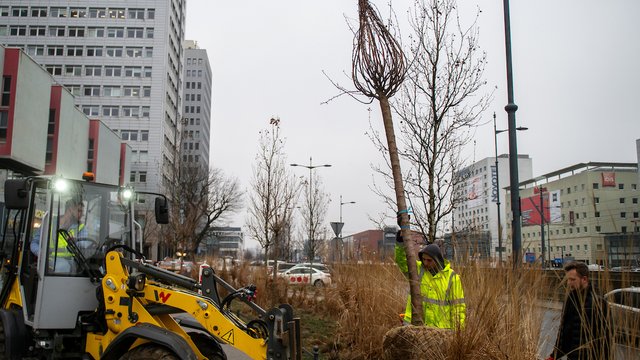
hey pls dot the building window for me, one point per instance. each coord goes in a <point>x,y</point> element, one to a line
<point>58,12</point>
<point>134,52</point>
<point>151,13</point>
<point>634,186</point>
<point>6,91</point>
<point>73,70</point>
<point>621,186</point>
<point>596,185</point>
<point>135,33</point>
<point>76,32</point>
<point>149,33</point>
<point>110,111</point>
<point>144,134</point>
<point>596,200</point>
<point>621,200</point>
<point>19,11</point>
<point>598,228</point>
<point>130,111</point>
<point>57,31</point>
<point>634,200</point>
<point>132,177</point>
<point>92,70</point>
<point>35,50</point>
<point>97,32</point>
<point>37,30</point>
<point>91,90</point>
<point>91,110</point>
<point>597,214</point>
<point>55,50</point>
<point>113,71</point>
<point>97,13</point>
<point>133,91</point>
<point>623,229</point>
<point>112,91</point>
<point>17,30</point>
<point>142,176</point>
<point>94,51</point>
<point>78,12</point>
<point>133,71</point>
<point>623,215</point>
<point>55,70</point>
<point>38,12</point>
<point>635,214</point>
<point>136,14</point>
<point>114,52</point>
<point>145,112</point>
<point>74,50</point>
<point>115,32</point>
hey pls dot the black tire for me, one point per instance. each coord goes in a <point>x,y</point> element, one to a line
<point>3,339</point>
<point>318,283</point>
<point>150,352</point>
<point>208,346</point>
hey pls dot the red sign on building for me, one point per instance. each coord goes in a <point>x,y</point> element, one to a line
<point>608,179</point>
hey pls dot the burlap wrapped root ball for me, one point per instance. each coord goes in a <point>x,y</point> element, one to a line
<point>415,342</point>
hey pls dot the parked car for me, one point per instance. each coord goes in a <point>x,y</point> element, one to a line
<point>285,266</point>
<point>306,275</point>
<point>318,266</point>
<point>625,309</point>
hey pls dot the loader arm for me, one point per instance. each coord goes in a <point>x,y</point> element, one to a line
<point>132,299</point>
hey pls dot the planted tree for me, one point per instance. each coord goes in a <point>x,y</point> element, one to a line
<point>378,71</point>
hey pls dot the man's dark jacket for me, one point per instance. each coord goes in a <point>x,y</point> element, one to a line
<point>585,329</point>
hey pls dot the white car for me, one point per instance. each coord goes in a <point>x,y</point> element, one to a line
<point>625,306</point>
<point>317,266</point>
<point>305,275</point>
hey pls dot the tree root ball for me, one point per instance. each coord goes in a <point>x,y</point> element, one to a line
<point>416,342</point>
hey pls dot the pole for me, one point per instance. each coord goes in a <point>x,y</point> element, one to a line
<point>495,138</point>
<point>311,243</point>
<point>542,258</point>
<point>511,108</point>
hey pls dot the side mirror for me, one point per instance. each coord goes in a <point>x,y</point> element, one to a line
<point>162,210</point>
<point>15,194</point>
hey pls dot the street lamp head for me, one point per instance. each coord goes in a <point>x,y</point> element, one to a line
<point>522,128</point>
<point>326,165</point>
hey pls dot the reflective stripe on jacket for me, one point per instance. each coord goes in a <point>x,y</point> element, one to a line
<point>442,295</point>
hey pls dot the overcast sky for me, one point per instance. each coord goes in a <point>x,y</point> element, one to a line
<point>576,76</point>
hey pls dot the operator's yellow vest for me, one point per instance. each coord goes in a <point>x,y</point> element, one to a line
<point>62,250</point>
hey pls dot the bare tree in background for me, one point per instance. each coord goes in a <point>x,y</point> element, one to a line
<point>439,105</point>
<point>274,191</point>
<point>440,108</point>
<point>199,198</point>
<point>378,71</point>
<point>314,214</point>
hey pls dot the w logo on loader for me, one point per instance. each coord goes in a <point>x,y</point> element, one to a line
<point>161,296</point>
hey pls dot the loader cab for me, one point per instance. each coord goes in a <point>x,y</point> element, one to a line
<point>63,230</point>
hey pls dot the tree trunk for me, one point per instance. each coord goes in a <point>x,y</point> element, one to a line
<point>414,282</point>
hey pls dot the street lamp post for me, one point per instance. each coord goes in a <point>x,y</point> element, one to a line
<point>340,236</point>
<point>495,139</point>
<point>511,108</point>
<point>311,167</point>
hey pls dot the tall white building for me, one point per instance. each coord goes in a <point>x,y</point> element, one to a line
<point>197,105</point>
<point>122,60</point>
<point>475,218</point>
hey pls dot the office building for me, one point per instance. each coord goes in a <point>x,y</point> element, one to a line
<point>122,62</point>
<point>479,193</point>
<point>196,127</point>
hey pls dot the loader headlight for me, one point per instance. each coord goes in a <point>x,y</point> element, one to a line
<point>137,282</point>
<point>126,194</point>
<point>60,185</point>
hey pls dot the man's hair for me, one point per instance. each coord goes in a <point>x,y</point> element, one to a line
<point>581,268</point>
<point>73,202</point>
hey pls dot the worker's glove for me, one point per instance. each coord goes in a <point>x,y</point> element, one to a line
<point>399,237</point>
<point>550,358</point>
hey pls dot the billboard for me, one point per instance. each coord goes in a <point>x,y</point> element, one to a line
<point>474,192</point>
<point>608,179</point>
<point>532,210</point>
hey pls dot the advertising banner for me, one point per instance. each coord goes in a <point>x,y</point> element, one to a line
<point>532,210</point>
<point>474,192</point>
<point>555,207</point>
